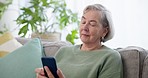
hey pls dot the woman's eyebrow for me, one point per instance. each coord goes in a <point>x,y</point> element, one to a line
<point>90,20</point>
<point>93,21</point>
<point>83,17</point>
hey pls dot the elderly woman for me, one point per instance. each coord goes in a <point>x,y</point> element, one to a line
<point>91,59</point>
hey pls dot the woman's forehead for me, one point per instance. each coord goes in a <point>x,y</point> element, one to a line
<point>92,15</point>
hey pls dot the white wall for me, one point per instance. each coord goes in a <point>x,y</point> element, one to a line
<point>9,17</point>
<point>129,18</point>
<point>11,14</point>
<point>130,22</point>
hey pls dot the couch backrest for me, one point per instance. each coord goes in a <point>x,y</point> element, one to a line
<point>133,59</point>
<point>50,48</point>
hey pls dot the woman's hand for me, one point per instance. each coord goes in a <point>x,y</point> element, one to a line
<point>40,73</point>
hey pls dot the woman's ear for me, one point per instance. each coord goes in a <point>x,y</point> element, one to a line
<point>106,30</point>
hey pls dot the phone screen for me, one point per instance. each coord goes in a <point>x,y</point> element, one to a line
<point>51,64</point>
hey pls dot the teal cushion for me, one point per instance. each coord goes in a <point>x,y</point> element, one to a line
<point>22,62</point>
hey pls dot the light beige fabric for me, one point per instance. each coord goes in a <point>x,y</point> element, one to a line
<point>145,68</point>
<point>8,44</point>
<point>3,53</point>
<point>133,58</point>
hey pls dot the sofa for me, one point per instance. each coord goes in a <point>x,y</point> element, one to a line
<point>135,59</point>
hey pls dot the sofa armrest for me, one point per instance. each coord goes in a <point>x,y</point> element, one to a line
<point>145,68</point>
<point>132,58</point>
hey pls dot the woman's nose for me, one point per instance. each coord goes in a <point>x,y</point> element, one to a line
<point>86,27</point>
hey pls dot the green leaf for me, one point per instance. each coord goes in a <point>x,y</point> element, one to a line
<point>23,30</point>
<point>71,37</point>
<point>45,3</point>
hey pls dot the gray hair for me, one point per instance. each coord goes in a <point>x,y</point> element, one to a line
<point>105,20</point>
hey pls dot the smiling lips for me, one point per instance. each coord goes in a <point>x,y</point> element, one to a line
<point>84,33</point>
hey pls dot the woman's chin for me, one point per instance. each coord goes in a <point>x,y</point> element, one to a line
<point>84,40</point>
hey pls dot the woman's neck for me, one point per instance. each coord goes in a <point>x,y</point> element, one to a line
<point>90,47</point>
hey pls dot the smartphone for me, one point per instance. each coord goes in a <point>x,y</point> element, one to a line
<point>50,62</point>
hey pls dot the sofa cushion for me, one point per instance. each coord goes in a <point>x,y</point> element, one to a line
<point>145,68</point>
<point>23,40</point>
<point>8,44</point>
<point>50,48</point>
<point>132,58</point>
<point>22,62</point>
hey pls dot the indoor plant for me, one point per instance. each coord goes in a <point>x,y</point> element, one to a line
<point>35,17</point>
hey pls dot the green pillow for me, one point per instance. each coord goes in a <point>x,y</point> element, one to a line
<point>22,62</point>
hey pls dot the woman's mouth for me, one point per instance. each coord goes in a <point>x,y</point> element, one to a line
<point>85,35</point>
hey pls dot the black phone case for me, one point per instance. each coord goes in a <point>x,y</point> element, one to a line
<point>51,64</point>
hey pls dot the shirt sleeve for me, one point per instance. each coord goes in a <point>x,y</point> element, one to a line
<point>112,67</point>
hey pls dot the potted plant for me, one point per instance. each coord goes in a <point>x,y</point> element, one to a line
<point>36,18</point>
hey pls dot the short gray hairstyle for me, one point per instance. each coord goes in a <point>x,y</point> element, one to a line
<point>106,19</point>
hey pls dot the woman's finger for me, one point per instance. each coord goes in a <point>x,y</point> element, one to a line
<point>60,74</point>
<point>50,75</point>
<point>38,70</point>
<point>40,73</point>
<point>40,76</point>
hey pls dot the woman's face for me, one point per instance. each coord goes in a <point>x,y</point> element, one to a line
<point>91,30</point>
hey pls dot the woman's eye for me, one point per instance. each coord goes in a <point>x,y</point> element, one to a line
<point>92,23</point>
<point>83,22</point>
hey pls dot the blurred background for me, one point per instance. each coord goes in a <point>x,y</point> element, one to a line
<point>129,19</point>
